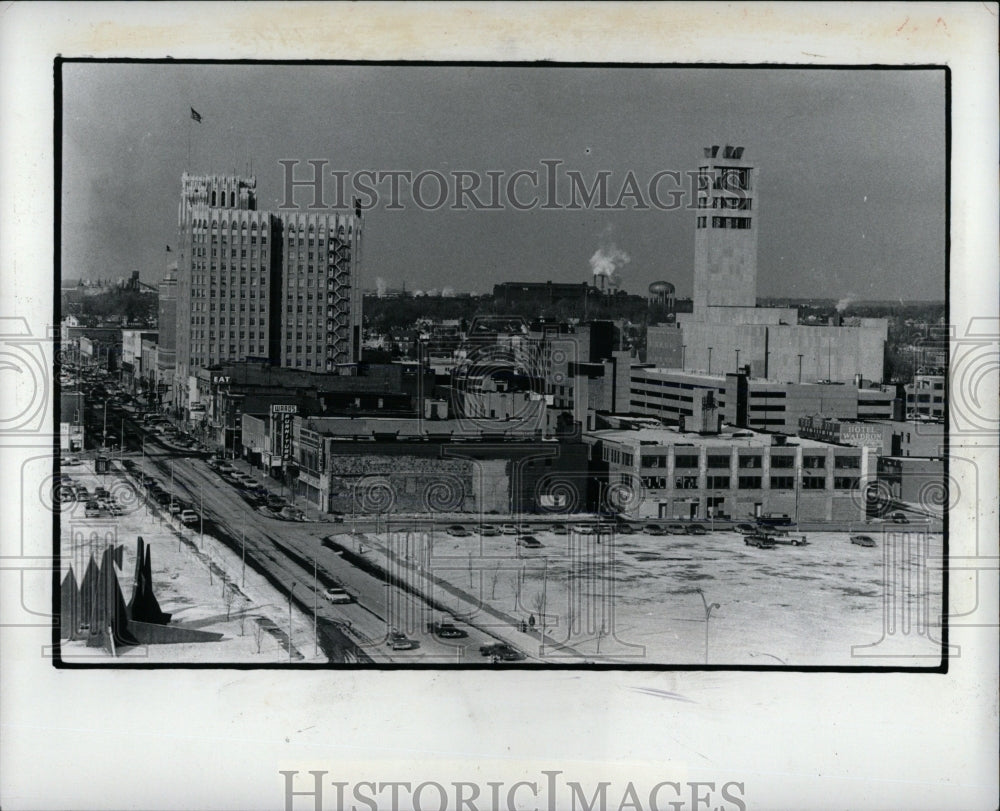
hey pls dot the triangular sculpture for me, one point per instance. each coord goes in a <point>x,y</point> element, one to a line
<point>85,602</point>
<point>108,618</point>
<point>144,607</point>
<point>69,606</point>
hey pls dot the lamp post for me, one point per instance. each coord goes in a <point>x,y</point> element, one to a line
<point>708,615</point>
<point>800,368</point>
<point>104,435</point>
<point>683,348</point>
<point>737,360</point>
<point>710,360</point>
<point>290,622</point>
<point>201,521</point>
<point>315,609</point>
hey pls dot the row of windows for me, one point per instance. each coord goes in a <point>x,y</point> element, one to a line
<point>748,483</point>
<point>739,204</point>
<point>199,306</point>
<point>751,461</point>
<point>733,223</point>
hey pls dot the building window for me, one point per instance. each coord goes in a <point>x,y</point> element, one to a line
<point>847,462</point>
<point>814,462</point>
<point>845,482</point>
<point>718,461</point>
<point>813,483</point>
<point>686,483</point>
<point>782,462</point>
<point>751,461</point>
<point>718,482</point>
<point>782,482</point>
<point>750,482</point>
<point>685,460</point>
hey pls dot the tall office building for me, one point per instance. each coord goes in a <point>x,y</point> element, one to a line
<point>725,242</point>
<point>251,284</point>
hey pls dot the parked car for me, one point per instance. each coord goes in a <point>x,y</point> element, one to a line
<point>745,529</point>
<point>759,540</point>
<point>338,594</point>
<point>489,530</point>
<point>655,529</point>
<point>92,510</point>
<point>529,542</point>
<point>696,529</point>
<point>509,529</point>
<point>624,528</point>
<point>101,492</point>
<point>559,529</point>
<point>774,519</point>
<point>189,516</point>
<point>502,651</point>
<point>400,641</point>
<point>863,540</point>
<point>176,508</point>
<point>458,531</point>
<point>161,497</point>
<point>71,461</point>
<point>446,630</point>
<point>116,509</point>
<point>900,518</point>
<point>676,529</point>
<point>583,529</point>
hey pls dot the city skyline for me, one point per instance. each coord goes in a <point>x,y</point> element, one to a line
<point>844,212</point>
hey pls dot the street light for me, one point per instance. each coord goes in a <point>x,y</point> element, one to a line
<point>708,616</point>
<point>710,360</point>
<point>290,622</point>
<point>737,360</point>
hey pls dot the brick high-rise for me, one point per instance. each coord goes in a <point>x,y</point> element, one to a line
<point>280,286</point>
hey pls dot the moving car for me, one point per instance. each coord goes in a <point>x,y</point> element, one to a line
<point>446,630</point>
<point>189,516</point>
<point>400,641</point>
<point>759,540</point>
<point>529,542</point>
<point>338,594</point>
<point>502,651</point>
<point>862,540</point>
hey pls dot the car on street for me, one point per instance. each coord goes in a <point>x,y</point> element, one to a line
<point>655,529</point>
<point>759,540</point>
<point>529,542</point>
<point>509,529</point>
<point>114,508</point>
<point>696,529</point>
<point>863,540</point>
<point>71,461</point>
<point>559,529</point>
<point>161,497</point>
<point>583,529</point>
<point>774,519</point>
<point>400,641</point>
<point>458,531</point>
<point>623,528</point>
<point>446,630</point>
<point>676,529</point>
<point>189,516</point>
<point>489,530</point>
<point>900,518</point>
<point>176,508</point>
<point>502,651</point>
<point>338,594</point>
<point>92,510</point>
<point>745,529</point>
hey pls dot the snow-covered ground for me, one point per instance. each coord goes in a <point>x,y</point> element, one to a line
<point>201,584</point>
<point>634,599</point>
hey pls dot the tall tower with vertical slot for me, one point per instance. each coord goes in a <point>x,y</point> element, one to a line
<point>725,242</point>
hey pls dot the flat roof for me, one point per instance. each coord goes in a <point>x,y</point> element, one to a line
<point>665,436</point>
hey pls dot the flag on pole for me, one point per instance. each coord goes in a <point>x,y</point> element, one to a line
<point>195,115</point>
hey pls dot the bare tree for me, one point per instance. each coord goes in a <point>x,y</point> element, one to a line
<point>494,579</point>
<point>229,595</point>
<point>258,633</point>
<point>243,615</point>
<point>538,604</point>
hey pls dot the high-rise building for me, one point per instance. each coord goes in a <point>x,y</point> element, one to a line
<point>251,284</point>
<point>725,242</point>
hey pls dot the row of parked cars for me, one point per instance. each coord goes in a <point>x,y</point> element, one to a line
<point>96,505</point>
<point>160,496</point>
<point>253,492</point>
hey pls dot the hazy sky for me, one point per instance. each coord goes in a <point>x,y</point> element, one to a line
<point>851,164</point>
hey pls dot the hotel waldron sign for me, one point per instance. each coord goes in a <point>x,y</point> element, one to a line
<point>285,414</point>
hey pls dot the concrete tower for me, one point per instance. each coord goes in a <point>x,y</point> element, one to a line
<point>725,243</point>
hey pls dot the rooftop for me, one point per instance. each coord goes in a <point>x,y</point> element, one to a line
<point>665,436</point>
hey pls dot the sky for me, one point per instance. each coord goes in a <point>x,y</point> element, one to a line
<point>850,191</point>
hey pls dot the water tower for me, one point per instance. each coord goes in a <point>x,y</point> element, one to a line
<point>661,294</point>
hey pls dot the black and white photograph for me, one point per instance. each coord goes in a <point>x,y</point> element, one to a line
<point>554,380</point>
<point>493,406</point>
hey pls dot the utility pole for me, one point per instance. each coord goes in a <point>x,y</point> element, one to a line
<point>290,623</point>
<point>315,609</point>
